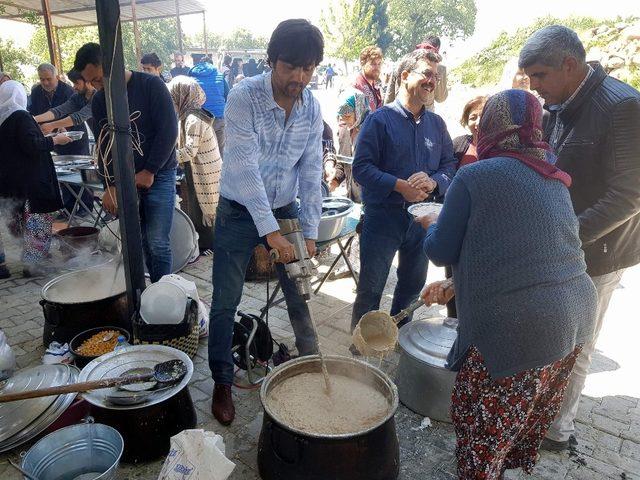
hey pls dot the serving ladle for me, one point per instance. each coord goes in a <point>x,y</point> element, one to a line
<point>166,373</point>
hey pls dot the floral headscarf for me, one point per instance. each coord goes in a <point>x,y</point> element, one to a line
<point>511,126</point>
<point>188,96</point>
<point>356,102</point>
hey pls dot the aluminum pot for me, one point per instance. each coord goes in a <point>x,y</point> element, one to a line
<point>75,240</point>
<point>287,453</point>
<point>424,384</point>
<point>90,449</point>
<point>77,301</point>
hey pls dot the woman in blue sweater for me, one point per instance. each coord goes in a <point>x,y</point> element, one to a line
<point>525,303</point>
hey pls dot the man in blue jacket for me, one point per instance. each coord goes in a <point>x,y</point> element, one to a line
<point>404,155</point>
<point>216,89</point>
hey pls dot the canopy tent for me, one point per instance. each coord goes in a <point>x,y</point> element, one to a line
<point>79,13</point>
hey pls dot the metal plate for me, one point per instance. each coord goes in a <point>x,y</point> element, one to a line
<point>116,363</point>
<point>425,208</point>
<point>16,416</point>
<point>57,407</point>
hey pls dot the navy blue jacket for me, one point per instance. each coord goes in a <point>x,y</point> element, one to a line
<point>392,145</point>
<point>39,103</point>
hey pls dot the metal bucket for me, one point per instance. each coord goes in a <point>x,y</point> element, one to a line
<point>80,451</point>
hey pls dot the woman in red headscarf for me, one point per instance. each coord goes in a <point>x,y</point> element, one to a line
<point>524,301</point>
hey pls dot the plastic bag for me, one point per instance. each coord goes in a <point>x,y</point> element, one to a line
<point>7,358</point>
<point>196,455</point>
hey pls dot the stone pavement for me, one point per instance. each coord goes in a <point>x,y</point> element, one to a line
<point>608,422</point>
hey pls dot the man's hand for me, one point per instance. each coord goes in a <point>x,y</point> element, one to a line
<point>110,201</point>
<point>311,247</point>
<point>438,292</point>
<point>286,252</point>
<point>47,128</point>
<point>427,220</point>
<point>144,179</point>
<point>422,181</point>
<point>61,139</point>
<point>329,171</point>
<point>409,193</point>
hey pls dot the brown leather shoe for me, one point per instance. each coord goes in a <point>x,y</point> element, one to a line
<point>222,404</point>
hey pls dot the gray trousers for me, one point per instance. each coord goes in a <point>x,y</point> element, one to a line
<point>563,426</point>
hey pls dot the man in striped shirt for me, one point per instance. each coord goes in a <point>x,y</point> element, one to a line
<point>272,154</point>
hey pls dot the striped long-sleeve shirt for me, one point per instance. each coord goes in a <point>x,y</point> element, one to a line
<point>267,162</point>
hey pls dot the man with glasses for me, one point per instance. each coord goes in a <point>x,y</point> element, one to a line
<point>404,156</point>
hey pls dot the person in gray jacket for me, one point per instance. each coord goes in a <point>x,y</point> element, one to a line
<point>593,124</point>
<point>74,111</point>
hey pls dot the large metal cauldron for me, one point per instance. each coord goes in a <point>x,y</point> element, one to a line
<point>148,427</point>
<point>285,453</point>
<point>77,301</point>
<point>424,384</point>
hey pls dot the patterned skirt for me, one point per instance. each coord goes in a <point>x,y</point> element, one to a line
<point>500,424</point>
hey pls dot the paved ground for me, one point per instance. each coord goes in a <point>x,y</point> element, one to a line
<point>608,423</point>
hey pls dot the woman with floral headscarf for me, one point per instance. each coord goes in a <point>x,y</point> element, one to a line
<point>198,155</point>
<point>525,303</point>
<point>352,110</point>
<point>28,182</point>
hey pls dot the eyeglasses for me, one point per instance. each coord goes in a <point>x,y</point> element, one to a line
<point>428,75</point>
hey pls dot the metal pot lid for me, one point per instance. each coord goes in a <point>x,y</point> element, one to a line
<point>429,340</point>
<point>116,363</point>
<point>85,286</point>
<point>19,416</point>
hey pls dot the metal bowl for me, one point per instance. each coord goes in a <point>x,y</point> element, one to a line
<point>90,451</point>
<point>335,211</point>
<point>82,360</point>
<point>90,174</point>
<point>425,208</point>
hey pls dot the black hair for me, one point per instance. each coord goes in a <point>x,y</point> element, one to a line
<point>227,60</point>
<point>296,42</point>
<point>433,40</point>
<point>74,75</point>
<point>151,59</point>
<point>89,53</point>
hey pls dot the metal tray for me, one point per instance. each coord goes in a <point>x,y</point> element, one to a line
<point>116,363</point>
<point>56,406</point>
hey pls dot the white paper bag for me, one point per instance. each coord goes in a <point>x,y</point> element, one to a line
<point>196,455</point>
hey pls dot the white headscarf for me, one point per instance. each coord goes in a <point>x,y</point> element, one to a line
<point>13,97</point>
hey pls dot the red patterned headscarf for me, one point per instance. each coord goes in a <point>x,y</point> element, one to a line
<point>427,46</point>
<point>511,126</point>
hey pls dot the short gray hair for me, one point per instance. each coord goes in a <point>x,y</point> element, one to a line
<point>411,60</point>
<point>47,67</point>
<point>550,46</point>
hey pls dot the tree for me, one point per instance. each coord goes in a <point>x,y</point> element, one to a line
<point>13,57</point>
<point>156,35</point>
<point>412,20</point>
<point>71,39</point>
<point>380,24</point>
<point>243,39</point>
<point>348,27</point>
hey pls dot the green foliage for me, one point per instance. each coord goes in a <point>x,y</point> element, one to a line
<point>413,20</point>
<point>380,24</point>
<point>241,39</point>
<point>71,39</point>
<point>13,57</point>
<point>158,35</point>
<point>485,68</point>
<point>348,27</point>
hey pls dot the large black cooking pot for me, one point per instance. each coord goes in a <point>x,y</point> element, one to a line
<point>285,453</point>
<point>147,430</point>
<point>78,301</point>
<point>145,427</point>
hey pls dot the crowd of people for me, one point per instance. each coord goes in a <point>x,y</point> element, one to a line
<point>540,216</point>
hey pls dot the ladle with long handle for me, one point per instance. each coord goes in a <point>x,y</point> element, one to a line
<point>402,314</point>
<point>168,372</point>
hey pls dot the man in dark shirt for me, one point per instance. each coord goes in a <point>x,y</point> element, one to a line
<point>50,93</point>
<point>180,68</point>
<point>404,155</point>
<point>156,130</point>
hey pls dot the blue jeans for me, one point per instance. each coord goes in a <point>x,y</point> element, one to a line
<point>156,216</point>
<point>388,229</point>
<point>235,238</point>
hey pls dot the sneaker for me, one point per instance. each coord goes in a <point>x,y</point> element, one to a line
<point>556,446</point>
